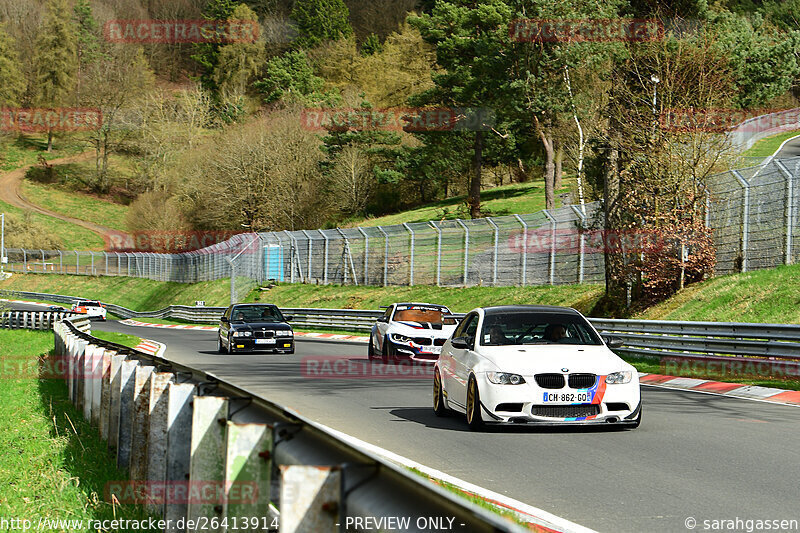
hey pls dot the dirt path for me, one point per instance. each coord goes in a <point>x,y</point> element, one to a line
<point>11,193</point>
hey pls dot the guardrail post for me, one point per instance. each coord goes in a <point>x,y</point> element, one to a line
<point>91,268</point>
<point>207,464</point>
<point>411,266</point>
<point>43,260</point>
<point>366,254</point>
<point>789,209</point>
<point>126,406</point>
<point>745,217</point>
<point>179,451</point>
<point>496,243</point>
<point>310,498</point>
<point>157,436</point>
<point>60,262</point>
<point>115,383</point>
<point>438,252</point>
<point>466,248</point>
<point>552,245</point>
<point>77,262</point>
<point>24,261</point>
<point>247,470</point>
<point>582,241</point>
<point>385,256</point>
<point>140,422</point>
<point>97,385</point>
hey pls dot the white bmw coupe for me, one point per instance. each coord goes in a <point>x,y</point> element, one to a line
<point>534,365</point>
<point>411,332</point>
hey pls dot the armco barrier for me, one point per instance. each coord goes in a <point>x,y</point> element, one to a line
<point>31,319</point>
<point>178,426</point>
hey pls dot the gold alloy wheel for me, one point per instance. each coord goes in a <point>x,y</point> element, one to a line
<point>437,391</point>
<point>470,401</point>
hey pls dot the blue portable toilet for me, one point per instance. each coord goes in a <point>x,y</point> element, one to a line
<point>273,261</point>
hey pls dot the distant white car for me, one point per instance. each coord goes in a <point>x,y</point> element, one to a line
<point>534,365</point>
<point>91,308</point>
<point>411,332</point>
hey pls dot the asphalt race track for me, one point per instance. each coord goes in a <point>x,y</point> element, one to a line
<point>695,455</point>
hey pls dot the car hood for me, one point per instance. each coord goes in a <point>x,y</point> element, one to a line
<point>544,358</point>
<point>257,326</point>
<point>421,329</point>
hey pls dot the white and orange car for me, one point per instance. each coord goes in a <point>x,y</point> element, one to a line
<point>90,308</point>
<point>411,332</point>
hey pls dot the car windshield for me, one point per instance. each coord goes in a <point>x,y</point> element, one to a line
<point>536,328</point>
<point>88,304</point>
<point>421,313</point>
<point>256,313</point>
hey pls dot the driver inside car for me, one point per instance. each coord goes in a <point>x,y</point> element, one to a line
<point>555,332</point>
<point>496,336</point>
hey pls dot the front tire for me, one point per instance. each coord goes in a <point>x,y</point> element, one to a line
<point>220,346</point>
<point>385,351</point>
<point>370,349</point>
<point>474,420</point>
<point>438,395</point>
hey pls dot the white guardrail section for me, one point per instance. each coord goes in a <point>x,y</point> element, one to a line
<point>176,426</point>
<point>648,338</point>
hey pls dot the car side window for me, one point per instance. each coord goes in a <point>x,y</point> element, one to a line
<point>388,313</point>
<point>467,323</point>
<point>228,312</point>
<point>472,327</point>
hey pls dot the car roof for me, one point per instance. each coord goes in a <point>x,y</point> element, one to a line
<point>551,309</point>
<point>421,303</point>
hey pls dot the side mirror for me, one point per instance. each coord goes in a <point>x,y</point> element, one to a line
<point>383,319</point>
<point>287,318</point>
<point>224,319</point>
<point>462,343</point>
<point>614,342</point>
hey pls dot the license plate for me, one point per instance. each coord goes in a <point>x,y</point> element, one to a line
<point>566,397</point>
<point>433,349</point>
<point>265,341</point>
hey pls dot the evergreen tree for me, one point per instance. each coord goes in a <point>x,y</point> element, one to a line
<point>207,54</point>
<point>320,20</point>
<point>12,80</point>
<point>88,42</point>
<point>56,59</point>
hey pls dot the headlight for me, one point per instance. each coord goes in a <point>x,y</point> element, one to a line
<point>242,333</point>
<point>401,338</point>
<point>619,377</point>
<point>283,333</point>
<point>503,378</point>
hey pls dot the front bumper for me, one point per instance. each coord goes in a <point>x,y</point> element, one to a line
<point>415,353</point>
<point>249,344</point>
<point>523,404</point>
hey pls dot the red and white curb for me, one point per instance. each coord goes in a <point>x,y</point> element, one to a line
<point>536,519</point>
<point>151,347</point>
<point>323,336</point>
<point>721,388</point>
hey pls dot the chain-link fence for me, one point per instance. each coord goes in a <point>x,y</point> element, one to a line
<point>753,212</point>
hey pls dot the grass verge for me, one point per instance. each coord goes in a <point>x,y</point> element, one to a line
<point>53,465</point>
<point>767,146</point>
<point>71,236</point>
<point>76,205</point>
<point>131,341</point>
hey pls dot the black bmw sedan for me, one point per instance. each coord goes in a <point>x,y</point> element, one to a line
<point>249,327</point>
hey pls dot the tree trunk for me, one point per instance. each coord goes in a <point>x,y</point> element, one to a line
<point>475,185</point>
<point>549,166</point>
<point>612,258</point>
<point>559,160</point>
<point>49,140</point>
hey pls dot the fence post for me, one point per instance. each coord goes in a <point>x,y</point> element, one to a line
<point>466,248</point>
<point>411,265</point>
<point>77,262</point>
<point>581,238</point>
<point>42,259</point>
<point>745,217</point>
<point>91,269</point>
<point>310,243</point>
<point>708,209</point>
<point>524,248</point>
<point>385,256</point>
<point>233,279</point>
<point>24,261</point>
<point>438,252</point>
<point>789,209</point>
<point>494,258</point>
<point>325,259</point>
<point>366,254</point>
<point>552,245</point>
<point>60,261</point>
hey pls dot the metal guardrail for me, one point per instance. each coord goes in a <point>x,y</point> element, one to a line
<point>42,320</point>
<point>650,338</point>
<point>216,431</point>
